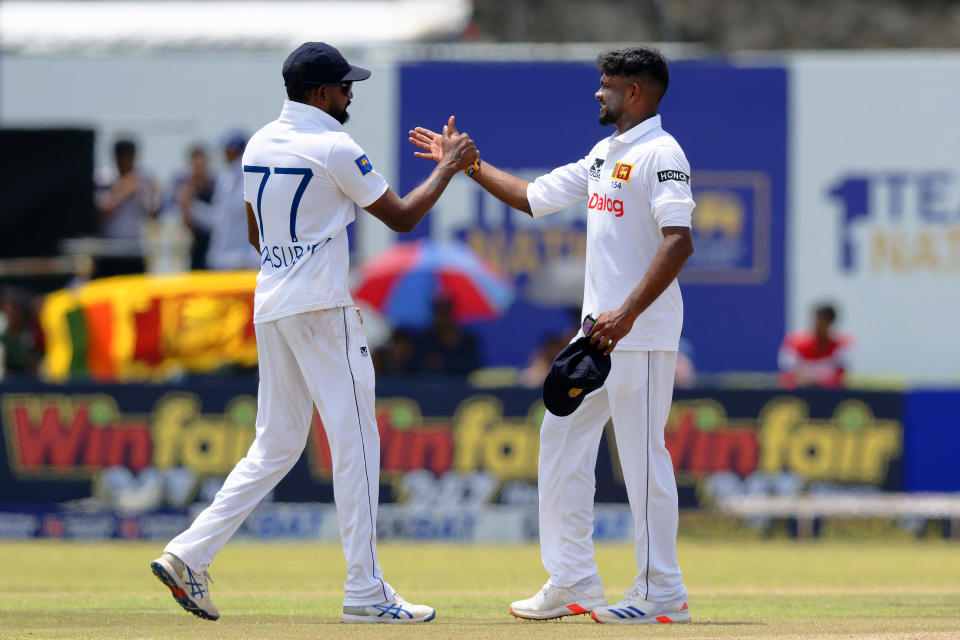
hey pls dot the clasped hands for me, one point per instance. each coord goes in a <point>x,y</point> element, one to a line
<point>450,146</point>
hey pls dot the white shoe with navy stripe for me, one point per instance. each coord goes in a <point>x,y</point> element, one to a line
<point>635,610</point>
<point>395,610</point>
<point>189,588</point>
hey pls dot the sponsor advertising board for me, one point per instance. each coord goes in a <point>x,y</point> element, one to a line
<point>99,455</point>
<point>875,214</point>
<point>530,118</point>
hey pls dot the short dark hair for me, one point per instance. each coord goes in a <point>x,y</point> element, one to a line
<point>646,64</point>
<point>299,92</point>
<point>124,147</point>
<point>827,311</point>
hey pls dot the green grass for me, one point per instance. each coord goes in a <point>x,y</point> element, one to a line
<point>758,589</point>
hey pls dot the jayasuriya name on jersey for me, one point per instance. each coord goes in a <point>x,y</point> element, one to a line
<point>280,256</point>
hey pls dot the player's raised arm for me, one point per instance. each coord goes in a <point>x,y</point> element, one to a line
<point>456,152</point>
<point>506,187</point>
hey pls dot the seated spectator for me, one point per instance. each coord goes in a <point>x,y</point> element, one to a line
<point>396,357</point>
<point>229,247</point>
<point>445,348</point>
<point>21,341</point>
<point>533,375</point>
<point>815,358</point>
<point>192,195</point>
<point>126,196</point>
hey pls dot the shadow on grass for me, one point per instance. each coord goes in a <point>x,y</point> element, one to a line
<point>570,621</point>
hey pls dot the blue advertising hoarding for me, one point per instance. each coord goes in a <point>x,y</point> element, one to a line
<point>932,442</point>
<point>529,118</point>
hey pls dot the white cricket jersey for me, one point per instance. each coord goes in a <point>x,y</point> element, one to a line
<point>302,176</point>
<point>635,184</point>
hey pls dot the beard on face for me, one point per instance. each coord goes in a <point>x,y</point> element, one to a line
<point>340,115</point>
<point>608,115</point>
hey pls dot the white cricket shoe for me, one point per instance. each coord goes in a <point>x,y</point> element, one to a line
<point>392,611</point>
<point>555,602</point>
<point>189,588</point>
<point>635,610</point>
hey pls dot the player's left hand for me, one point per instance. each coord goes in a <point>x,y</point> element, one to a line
<point>457,149</point>
<point>611,326</point>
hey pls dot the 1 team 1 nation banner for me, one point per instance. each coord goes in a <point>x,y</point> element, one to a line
<point>141,327</point>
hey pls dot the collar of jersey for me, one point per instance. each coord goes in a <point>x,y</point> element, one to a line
<point>639,130</point>
<point>305,114</point>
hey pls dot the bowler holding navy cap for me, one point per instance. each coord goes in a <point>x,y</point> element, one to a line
<point>577,371</point>
<point>636,187</point>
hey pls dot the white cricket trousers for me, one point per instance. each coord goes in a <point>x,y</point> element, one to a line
<point>315,358</point>
<point>637,395</point>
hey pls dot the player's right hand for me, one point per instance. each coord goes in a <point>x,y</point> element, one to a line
<point>457,148</point>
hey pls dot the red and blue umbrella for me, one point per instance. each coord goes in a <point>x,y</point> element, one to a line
<point>403,281</point>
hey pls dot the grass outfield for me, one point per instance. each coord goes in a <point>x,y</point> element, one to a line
<point>770,589</point>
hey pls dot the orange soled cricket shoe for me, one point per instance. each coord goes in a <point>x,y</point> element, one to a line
<point>555,602</point>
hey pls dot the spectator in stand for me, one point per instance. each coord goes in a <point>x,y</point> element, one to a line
<point>192,194</point>
<point>816,358</point>
<point>21,341</point>
<point>126,196</point>
<point>396,357</point>
<point>229,247</point>
<point>445,348</point>
<point>533,375</point>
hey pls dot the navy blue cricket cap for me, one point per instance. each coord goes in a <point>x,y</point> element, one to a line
<point>576,371</point>
<point>318,63</point>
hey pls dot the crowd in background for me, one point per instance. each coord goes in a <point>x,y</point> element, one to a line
<point>204,204</point>
<point>21,340</point>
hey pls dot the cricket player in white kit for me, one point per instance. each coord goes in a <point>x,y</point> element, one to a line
<point>303,177</point>
<point>637,187</point>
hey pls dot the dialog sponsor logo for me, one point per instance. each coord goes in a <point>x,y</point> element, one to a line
<point>601,202</point>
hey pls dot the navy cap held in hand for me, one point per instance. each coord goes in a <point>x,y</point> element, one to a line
<point>576,371</point>
<point>318,63</point>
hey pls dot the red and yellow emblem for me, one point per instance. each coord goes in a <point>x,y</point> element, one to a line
<point>622,171</point>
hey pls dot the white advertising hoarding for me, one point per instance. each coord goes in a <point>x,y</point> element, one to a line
<point>874,224</point>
